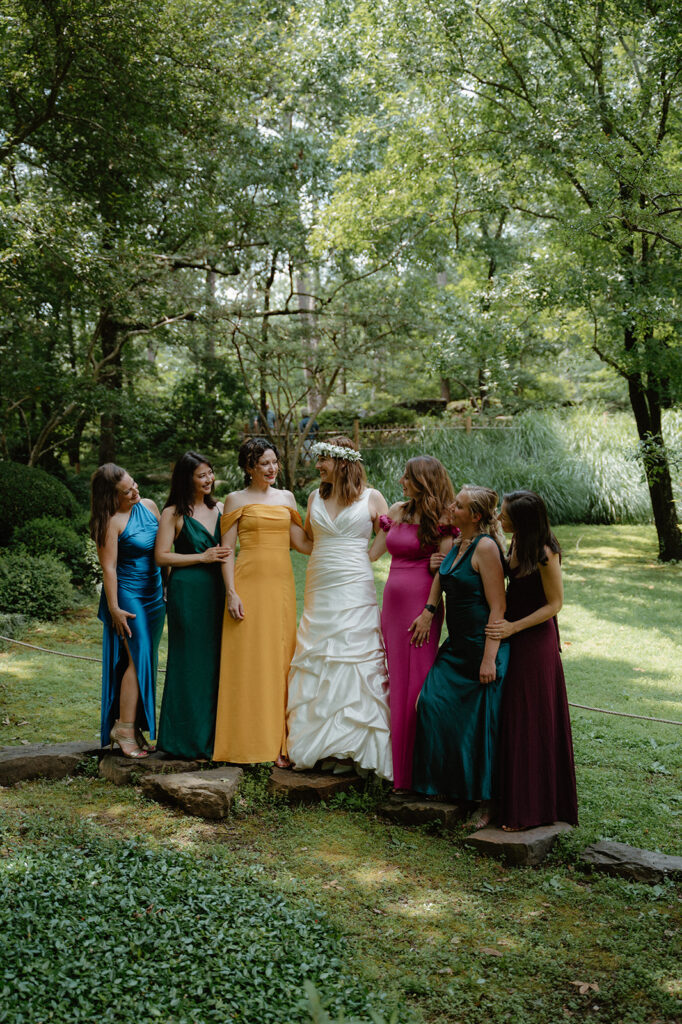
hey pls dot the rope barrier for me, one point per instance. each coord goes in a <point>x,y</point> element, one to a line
<point>582,707</point>
<point>60,654</point>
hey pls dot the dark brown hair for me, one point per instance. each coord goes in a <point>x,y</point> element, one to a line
<point>349,477</point>
<point>250,452</point>
<point>430,479</point>
<point>182,484</point>
<point>532,534</point>
<point>103,499</point>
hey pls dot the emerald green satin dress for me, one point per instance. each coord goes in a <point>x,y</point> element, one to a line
<point>455,750</point>
<point>196,598</point>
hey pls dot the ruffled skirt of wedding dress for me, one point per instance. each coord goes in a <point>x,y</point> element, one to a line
<point>338,686</point>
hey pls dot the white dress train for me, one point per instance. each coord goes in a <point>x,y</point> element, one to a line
<point>338,684</point>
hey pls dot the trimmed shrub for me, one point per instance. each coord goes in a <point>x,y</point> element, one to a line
<point>35,586</point>
<point>48,535</point>
<point>28,493</point>
<point>396,415</point>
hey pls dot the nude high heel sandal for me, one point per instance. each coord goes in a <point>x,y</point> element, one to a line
<point>123,734</point>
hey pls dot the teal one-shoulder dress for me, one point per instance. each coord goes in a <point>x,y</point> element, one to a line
<point>140,592</point>
<point>455,750</point>
<point>196,599</point>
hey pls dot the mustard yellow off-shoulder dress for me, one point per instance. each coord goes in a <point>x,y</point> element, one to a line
<point>256,651</point>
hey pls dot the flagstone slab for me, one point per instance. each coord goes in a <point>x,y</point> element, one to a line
<point>631,862</point>
<point>207,794</point>
<point>413,810</point>
<point>42,761</point>
<point>309,787</point>
<point>127,771</point>
<point>528,847</point>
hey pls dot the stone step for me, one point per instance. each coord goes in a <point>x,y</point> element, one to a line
<point>205,794</point>
<point>42,761</point>
<point>415,810</point>
<point>127,771</point>
<point>309,787</point>
<point>631,862</point>
<point>528,847</point>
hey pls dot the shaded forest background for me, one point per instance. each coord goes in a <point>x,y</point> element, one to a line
<point>339,209</point>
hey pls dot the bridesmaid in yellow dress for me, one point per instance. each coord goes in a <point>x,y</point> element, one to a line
<point>259,625</point>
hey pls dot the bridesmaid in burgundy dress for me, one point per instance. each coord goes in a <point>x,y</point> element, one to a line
<point>536,770</point>
<point>413,531</point>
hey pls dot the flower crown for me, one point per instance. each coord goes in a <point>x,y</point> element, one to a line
<point>335,451</point>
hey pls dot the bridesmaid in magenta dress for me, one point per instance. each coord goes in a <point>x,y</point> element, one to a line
<point>413,531</point>
<point>537,773</point>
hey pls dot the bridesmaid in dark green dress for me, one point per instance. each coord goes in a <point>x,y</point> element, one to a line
<point>458,713</point>
<point>190,522</point>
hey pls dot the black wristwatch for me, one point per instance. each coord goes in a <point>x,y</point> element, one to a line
<point>433,608</point>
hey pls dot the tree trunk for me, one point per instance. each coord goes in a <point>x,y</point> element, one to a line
<point>310,342</point>
<point>73,445</point>
<point>647,409</point>
<point>112,379</point>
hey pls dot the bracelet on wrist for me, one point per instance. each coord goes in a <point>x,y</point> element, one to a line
<point>433,608</point>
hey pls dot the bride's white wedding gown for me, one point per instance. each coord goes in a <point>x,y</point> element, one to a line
<point>338,685</point>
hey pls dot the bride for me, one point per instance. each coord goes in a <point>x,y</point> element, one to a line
<point>338,685</point>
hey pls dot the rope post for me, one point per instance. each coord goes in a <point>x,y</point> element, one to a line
<point>356,433</point>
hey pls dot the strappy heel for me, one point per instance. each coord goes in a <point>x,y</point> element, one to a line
<point>124,733</point>
<point>143,743</point>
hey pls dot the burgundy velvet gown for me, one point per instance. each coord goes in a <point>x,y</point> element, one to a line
<point>537,773</point>
<point>405,594</point>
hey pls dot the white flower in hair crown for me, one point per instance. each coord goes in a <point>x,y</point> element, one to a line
<point>335,451</point>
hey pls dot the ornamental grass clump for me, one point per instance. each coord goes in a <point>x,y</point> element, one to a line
<point>583,462</point>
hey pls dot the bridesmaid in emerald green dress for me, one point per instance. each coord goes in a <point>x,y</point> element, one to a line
<point>190,522</point>
<point>458,712</point>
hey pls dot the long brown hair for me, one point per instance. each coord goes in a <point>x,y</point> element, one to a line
<point>483,502</point>
<point>103,499</point>
<point>182,484</point>
<point>532,535</point>
<point>349,477</point>
<point>430,479</point>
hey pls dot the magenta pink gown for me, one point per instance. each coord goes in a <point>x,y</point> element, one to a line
<point>405,594</point>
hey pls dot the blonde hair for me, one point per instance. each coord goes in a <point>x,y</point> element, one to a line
<point>483,502</point>
<point>349,477</point>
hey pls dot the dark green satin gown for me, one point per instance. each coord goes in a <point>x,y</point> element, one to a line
<point>458,717</point>
<point>196,599</point>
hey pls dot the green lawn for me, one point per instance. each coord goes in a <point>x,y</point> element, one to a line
<point>445,935</point>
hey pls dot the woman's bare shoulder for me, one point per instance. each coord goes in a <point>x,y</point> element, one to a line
<point>234,500</point>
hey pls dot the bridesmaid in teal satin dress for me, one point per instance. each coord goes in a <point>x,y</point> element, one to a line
<point>132,609</point>
<point>190,525</point>
<point>458,713</point>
